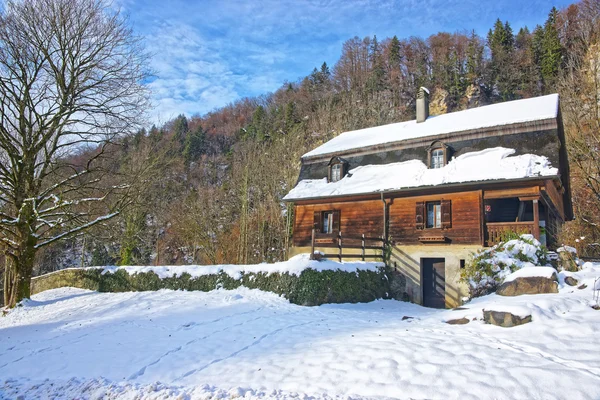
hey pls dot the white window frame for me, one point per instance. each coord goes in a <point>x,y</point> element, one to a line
<point>433,217</point>
<point>336,172</point>
<point>327,221</point>
<point>437,158</point>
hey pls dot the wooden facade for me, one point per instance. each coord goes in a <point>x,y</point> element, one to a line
<point>400,217</point>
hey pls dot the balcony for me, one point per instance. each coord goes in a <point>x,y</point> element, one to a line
<point>495,230</point>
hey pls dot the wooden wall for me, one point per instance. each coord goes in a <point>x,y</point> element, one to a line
<point>356,218</point>
<point>466,219</point>
<point>366,217</point>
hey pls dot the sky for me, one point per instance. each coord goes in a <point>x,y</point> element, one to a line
<point>209,53</point>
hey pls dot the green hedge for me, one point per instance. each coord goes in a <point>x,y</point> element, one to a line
<point>310,288</point>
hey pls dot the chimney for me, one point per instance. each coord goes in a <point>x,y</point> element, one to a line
<point>422,104</point>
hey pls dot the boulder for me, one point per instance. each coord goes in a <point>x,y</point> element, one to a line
<point>459,321</point>
<point>567,258</point>
<point>504,319</point>
<point>529,284</point>
<point>583,286</point>
<point>569,280</point>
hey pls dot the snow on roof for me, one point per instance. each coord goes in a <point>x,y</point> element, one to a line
<point>484,165</point>
<point>510,112</point>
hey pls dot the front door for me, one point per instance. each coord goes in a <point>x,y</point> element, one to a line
<point>434,282</point>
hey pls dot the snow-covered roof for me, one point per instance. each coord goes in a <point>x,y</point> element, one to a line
<point>507,113</point>
<point>485,165</point>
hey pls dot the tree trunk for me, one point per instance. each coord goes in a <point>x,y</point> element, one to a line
<point>17,282</point>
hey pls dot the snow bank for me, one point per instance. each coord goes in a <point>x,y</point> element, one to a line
<point>294,266</point>
<point>510,112</point>
<point>490,164</point>
<point>529,272</point>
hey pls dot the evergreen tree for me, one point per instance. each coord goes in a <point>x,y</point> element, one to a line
<point>503,66</point>
<point>551,52</point>
<point>180,128</point>
<point>376,76</point>
<point>195,145</point>
<point>474,67</point>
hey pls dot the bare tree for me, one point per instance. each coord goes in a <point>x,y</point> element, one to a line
<point>71,81</point>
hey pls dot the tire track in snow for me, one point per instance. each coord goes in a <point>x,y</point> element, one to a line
<point>142,370</point>
<point>235,353</point>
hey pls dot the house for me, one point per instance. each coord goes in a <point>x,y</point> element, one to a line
<point>436,189</point>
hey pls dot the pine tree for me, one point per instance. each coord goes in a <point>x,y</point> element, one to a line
<point>180,128</point>
<point>195,145</point>
<point>474,65</point>
<point>376,76</point>
<point>551,52</point>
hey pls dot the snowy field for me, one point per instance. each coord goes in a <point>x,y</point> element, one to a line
<point>71,343</point>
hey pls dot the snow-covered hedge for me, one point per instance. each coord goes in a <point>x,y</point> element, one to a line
<point>315,283</point>
<point>489,267</point>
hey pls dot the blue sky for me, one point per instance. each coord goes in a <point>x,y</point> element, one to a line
<point>209,53</point>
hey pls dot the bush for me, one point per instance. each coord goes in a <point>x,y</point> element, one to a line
<point>310,288</point>
<point>487,268</point>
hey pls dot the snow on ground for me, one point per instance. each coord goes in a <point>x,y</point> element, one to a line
<point>500,114</point>
<point>293,266</point>
<point>71,343</point>
<point>485,165</point>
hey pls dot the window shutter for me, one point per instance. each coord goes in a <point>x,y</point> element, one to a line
<point>446,214</point>
<point>420,217</point>
<point>317,222</point>
<point>336,220</point>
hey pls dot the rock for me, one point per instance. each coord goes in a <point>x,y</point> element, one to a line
<point>567,258</point>
<point>596,307</point>
<point>529,285</point>
<point>582,286</point>
<point>569,280</point>
<point>460,321</point>
<point>504,318</point>
<point>406,317</point>
<point>438,104</point>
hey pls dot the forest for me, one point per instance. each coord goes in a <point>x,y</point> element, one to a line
<point>210,186</point>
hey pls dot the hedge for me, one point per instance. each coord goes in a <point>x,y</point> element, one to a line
<point>310,288</point>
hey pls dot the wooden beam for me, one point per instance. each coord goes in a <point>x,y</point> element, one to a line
<point>536,219</point>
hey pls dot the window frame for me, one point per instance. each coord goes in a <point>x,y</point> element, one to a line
<point>341,165</point>
<point>327,222</point>
<point>436,213</point>
<point>434,147</point>
<point>438,158</point>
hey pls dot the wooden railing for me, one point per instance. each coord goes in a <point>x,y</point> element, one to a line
<point>341,242</point>
<point>495,230</point>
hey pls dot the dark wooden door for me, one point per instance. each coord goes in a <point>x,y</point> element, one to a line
<point>434,282</point>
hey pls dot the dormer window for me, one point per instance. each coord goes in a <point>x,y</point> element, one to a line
<point>438,155</point>
<point>437,158</point>
<point>337,169</point>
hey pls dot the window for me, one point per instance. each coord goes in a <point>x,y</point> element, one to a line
<point>337,169</point>
<point>437,158</point>
<point>327,222</point>
<point>336,172</point>
<point>434,214</point>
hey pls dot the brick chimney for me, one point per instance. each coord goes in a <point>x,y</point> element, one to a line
<point>422,104</point>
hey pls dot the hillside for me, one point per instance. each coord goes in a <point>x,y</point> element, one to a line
<point>213,184</point>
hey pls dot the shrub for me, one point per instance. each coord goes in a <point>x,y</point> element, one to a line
<point>487,268</point>
<point>310,287</point>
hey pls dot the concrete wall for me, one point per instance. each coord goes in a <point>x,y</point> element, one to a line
<point>407,259</point>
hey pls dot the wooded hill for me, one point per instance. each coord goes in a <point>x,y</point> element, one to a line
<point>212,184</point>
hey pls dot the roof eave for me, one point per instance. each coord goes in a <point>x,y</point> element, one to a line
<point>429,187</point>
